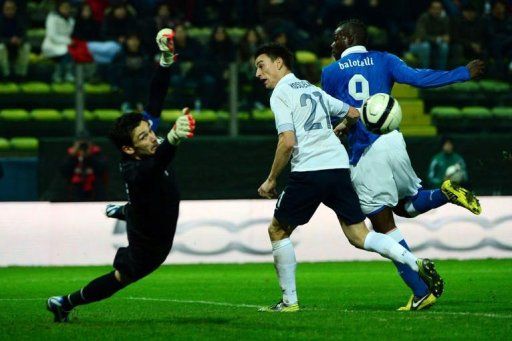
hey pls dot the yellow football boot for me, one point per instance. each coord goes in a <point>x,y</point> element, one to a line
<point>461,197</point>
<point>281,307</point>
<point>419,303</point>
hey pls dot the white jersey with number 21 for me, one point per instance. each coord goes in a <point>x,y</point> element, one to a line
<point>305,109</point>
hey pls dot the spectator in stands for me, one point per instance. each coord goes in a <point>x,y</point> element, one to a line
<point>222,52</point>
<point>132,66</point>
<point>164,17</point>
<point>193,72</point>
<point>119,22</point>
<point>468,34</point>
<point>98,8</point>
<point>447,165</point>
<point>278,16</point>
<point>13,46</point>
<point>254,95</point>
<point>59,26</point>
<point>85,168</point>
<point>86,27</point>
<point>432,37</point>
<point>499,37</point>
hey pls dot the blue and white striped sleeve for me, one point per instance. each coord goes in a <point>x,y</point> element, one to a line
<point>282,112</point>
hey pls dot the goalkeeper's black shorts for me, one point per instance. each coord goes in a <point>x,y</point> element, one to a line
<point>143,254</point>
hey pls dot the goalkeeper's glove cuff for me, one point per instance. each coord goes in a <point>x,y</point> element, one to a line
<point>167,59</point>
<point>173,137</point>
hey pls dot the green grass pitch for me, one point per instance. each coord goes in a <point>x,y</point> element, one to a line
<point>352,300</point>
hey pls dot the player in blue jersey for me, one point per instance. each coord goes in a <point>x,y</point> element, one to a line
<point>380,167</point>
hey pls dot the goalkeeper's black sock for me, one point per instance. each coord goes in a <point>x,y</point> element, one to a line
<point>97,290</point>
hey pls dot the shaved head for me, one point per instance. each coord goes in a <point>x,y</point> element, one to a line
<point>349,33</point>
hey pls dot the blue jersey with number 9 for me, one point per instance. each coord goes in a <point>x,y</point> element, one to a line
<point>361,73</point>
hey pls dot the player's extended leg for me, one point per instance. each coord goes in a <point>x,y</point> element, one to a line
<point>97,290</point>
<point>422,298</point>
<point>359,236</point>
<point>285,265</point>
<point>426,200</point>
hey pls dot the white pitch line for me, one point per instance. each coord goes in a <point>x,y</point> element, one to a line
<point>225,304</point>
<point>235,305</point>
<point>252,306</point>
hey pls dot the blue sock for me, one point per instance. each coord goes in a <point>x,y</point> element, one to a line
<point>409,276</point>
<point>426,200</point>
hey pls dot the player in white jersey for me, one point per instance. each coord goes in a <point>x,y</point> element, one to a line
<point>320,173</point>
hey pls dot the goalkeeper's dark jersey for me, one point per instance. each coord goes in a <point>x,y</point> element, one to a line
<point>153,195</point>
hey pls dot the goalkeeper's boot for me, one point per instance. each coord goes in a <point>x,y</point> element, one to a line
<point>281,307</point>
<point>428,273</point>
<point>461,197</point>
<point>419,303</point>
<point>54,305</point>
<point>115,211</point>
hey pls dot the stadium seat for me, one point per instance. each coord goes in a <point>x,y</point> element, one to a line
<point>224,115</point>
<point>263,115</point>
<point>206,116</point>
<point>412,106</point>
<point>46,115</point>
<point>99,89</point>
<point>24,143</point>
<point>445,112</point>
<point>494,86</point>
<point>377,36</point>
<point>4,144</point>
<point>305,57</point>
<point>70,114</point>
<point>35,36</point>
<point>170,115</point>
<point>401,91</point>
<point>9,88</point>
<point>476,112</point>
<point>35,88</point>
<point>236,33</point>
<point>502,112</point>
<point>63,88</point>
<point>326,61</point>
<point>419,131</point>
<point>470,86</point>
<point>14,115</point>
<point>107,114</point>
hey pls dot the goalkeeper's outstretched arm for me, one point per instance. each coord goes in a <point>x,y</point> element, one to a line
<point>161,75</point>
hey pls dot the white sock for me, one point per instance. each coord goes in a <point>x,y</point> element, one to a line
<point>389,248</point>
<point>409,208</point>
<point>396,235</point>
<point>285,264</point>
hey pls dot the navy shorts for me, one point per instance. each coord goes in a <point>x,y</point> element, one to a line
<point>306,190</point>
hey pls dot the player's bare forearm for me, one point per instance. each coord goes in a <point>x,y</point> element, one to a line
<point>347,122</point>
<point>284,151</point>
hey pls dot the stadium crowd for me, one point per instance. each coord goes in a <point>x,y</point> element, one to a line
<point>119,36</point>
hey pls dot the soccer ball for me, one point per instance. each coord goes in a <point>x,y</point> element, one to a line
<point>381,113</point>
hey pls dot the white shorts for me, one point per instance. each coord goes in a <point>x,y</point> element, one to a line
<point>384,174</point>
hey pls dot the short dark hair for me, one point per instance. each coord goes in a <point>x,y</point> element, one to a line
<point>121,132</point>
<point>274,51</point>
<point>357,29</point>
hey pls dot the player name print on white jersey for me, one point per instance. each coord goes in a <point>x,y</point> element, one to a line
<point>303,108</point>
